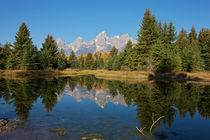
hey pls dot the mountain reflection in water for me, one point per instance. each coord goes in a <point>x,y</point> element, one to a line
<point>150,99</point>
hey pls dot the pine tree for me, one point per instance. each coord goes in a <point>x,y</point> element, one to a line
<point>165,34</point>
<point>127,57</point>
<point>89,62</point>
<point>81,61</point>
<point>99,62</point>
<point>24,53</point>
<point>196,63</point>
<point>49,53</point>
<point>196,60</point>
<point>116,65</point>
<point>73,63</point>
<point>204,43</point>
<point>171,32</point>
<point>170,61</point>
<point>30,60</point>
<point>4,53</point>
<point>183,46</point>
<point>110,62</point>
<point>148,35</point>
<point>193,35</point>
<point>62,62</point>
<point>189,51</point>
<point>113,51</point>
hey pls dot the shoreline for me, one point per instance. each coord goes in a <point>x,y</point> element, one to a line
<point>111,75</point>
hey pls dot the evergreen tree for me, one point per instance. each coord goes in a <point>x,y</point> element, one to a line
<point>89,62</point>
<point>165,34</point>
<point>196,60</point>
<point>73,63</point>
<point>110,62</point>
<point>111,58</point>
<point>193,35</point>
<point>62,62</point>
<point>24,53</point>
<point>21,40</point>
<point>165,57</point>
<point>49,53</point>
<point>170,61</point>
<point>30,59</point>
<point>113,51</point>
<point>204,43</point>
<point>196,63</point>
<point>183,46</point>
<point>171,32</point>
<point>127,57</point>
<point>99,62</point>
<point>81,61</point>
<point>4,53</point>
<point>148,35</point>
<point>189,52</point>
<point>116,65</point>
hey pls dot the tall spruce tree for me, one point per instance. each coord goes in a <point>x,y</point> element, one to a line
<point>24,54</point>
<point>171,32</point>
<point>204,43</point>
<point>166,58</point>
<point>189,52</point>
<point>73,62</point>
<point>127,57</point>
<point>148,35</point>
<point>165,34</point>
<point>81,61</point>
<point>113,51</point>
<point>49,53</point>
<point>89,62</point>
<point>193,35</point>
<point>196,60</point>
<point>4,53</point>
<point>183,47</point>
<point>116,65</point>
<point>62,62</point>
<point>111,58</point>
<point>99,62</point>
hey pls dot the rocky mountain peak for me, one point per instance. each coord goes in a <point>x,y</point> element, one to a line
<point>79,39</point>
<point>101,43</point>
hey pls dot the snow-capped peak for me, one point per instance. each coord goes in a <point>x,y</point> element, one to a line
<point>100,43</point>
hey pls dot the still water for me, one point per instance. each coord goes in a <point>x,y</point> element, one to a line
<point>85,107</point>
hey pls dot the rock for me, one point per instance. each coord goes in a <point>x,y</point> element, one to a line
<point>8,125</point>
<point>59,131</point>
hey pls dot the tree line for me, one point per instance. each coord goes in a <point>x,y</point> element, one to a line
<point>24,55</point>
<point>158,49</point>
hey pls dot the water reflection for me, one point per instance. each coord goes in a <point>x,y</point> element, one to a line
<point>151,99</point>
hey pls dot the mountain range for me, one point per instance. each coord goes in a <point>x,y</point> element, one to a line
<point>101,43</point>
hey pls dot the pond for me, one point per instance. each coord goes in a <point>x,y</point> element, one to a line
<point>85,107</point>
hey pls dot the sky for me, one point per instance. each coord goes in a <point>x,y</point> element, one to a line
<point>68,19</point>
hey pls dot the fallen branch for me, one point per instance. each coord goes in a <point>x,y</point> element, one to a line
<point>141,130</point>
<point>155,123</point>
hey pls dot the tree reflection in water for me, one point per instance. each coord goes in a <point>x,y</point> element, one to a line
<point>152,99</point>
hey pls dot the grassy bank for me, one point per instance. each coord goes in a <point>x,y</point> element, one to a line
<point>110,75</point>
<point>29,73</point>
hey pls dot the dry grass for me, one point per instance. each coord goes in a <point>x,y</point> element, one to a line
<point>28,72</point>
<point>135,76</point>
<point>200,75</point>
<point>108,74</point>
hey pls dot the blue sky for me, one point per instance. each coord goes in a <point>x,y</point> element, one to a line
<point>69,19</point>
